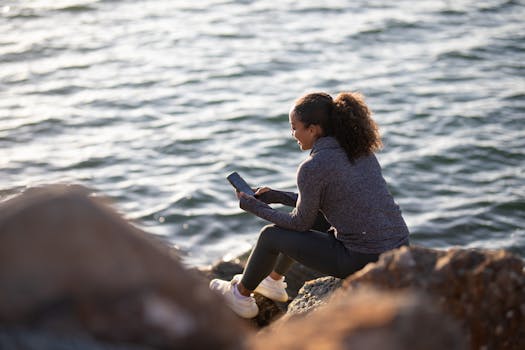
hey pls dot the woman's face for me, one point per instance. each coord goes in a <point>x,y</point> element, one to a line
<point>305,136</point>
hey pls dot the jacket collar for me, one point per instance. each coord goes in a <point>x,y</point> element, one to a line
<point>322,143</point>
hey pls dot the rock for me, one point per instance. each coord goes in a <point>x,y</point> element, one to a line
<point>366,319</point>
<point>313,294</point>
<point>224,270</point>
<point>482,289</point>
<point>17,339</point>
<point>297,276</point>
<point>70,265</point>
<point>269,311</point>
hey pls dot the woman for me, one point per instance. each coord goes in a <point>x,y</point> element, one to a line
<point>341,179</point>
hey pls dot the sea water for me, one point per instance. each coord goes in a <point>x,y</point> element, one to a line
<point>153,103</point>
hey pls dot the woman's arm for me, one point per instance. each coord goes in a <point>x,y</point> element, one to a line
<point>281,197</point>
<point>303,216</point>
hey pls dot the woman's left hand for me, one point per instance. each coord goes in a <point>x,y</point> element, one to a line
<point>241,195</point>
<point>262,190</point>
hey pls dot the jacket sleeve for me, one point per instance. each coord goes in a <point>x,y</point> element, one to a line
<point>280,197</point>
<point>303,216</point>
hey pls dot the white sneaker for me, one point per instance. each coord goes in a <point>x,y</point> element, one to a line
<point>270,288</point>
<point>241,305</point>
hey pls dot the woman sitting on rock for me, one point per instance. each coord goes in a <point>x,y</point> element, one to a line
<point>341,180</point>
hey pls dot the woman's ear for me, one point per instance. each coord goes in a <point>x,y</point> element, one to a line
<point>316,130</point>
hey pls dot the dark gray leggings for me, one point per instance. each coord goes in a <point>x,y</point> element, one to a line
<point>277,249</point>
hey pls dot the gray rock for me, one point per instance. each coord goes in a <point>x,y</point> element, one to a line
<point>297,276</point>
<point>313,294</point>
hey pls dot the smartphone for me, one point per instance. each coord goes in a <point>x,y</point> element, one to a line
<point>240,185</point>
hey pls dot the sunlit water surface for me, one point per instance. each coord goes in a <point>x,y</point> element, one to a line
<point>154,102</point>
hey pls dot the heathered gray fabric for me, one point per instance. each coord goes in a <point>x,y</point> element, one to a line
<point>281,197</point>
<point>353,197</point>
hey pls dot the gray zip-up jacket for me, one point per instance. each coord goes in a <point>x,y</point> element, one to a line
<point>353,197</point>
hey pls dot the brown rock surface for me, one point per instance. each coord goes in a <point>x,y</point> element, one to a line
<point>367,319</point>
<point>485,290</point>
<point>71,265</point>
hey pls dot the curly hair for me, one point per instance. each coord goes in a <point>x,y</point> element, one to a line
<point>347,118</point>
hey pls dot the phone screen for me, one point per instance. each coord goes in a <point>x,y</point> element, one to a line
<point>240,185</point>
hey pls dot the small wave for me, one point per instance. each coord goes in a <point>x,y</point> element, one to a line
<point>493,156</point>
<point>92,163</point>
<point>510,209</point>
<point>499,6</point>
<point>318,9</point>
<point>27,131</point>
<point>20,13</point>
<point>31,53</point>
<point>452,12</point>
<point>232,35</point>
<point>371,31</point>
<point>470,55</point>
<point>399,24</point>
<point>75,66</point>
<point>391,30</point>
<point>515,96</point>
<point>76,8</point>
<point>59,91</point>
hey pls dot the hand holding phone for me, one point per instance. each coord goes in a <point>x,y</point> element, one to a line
<point>239,184</point>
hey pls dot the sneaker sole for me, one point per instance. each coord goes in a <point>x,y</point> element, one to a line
<point>261,291</point>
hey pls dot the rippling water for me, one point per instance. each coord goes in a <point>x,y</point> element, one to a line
<point>154,102</point>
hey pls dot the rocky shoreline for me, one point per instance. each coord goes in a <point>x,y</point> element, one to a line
<point>75,275</point>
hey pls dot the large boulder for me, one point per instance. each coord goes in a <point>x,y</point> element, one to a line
<point>366,319</point>
<point>70,265</point>
<point>483,289</point>
<point>30,339</point>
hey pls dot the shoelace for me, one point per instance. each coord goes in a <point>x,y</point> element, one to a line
<point>233,282</point>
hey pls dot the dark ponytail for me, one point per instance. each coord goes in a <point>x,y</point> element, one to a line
<point>353,125</point>
<point>347,118</point>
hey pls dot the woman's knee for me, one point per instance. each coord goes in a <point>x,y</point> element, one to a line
<point>268,233</point>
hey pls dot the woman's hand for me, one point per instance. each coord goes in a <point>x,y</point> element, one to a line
<point>241,195</point>
<point>262,190</point>
<point>258,191</point>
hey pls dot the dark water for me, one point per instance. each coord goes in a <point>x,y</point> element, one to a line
<point>154,102</point>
